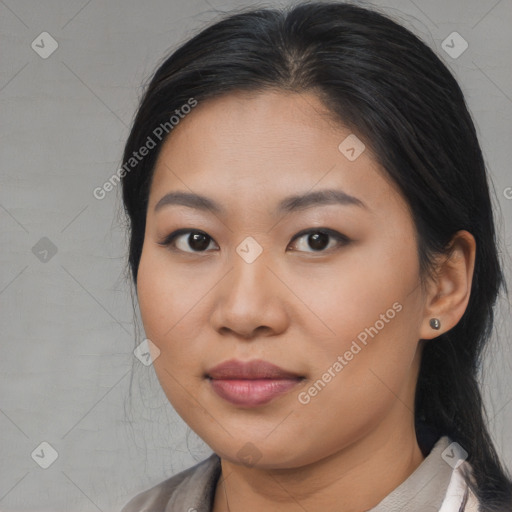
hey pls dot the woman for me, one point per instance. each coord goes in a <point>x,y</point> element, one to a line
<point>313,248</point>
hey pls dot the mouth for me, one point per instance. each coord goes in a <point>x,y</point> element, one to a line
<point>252,383</point>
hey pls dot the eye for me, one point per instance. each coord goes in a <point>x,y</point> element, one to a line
<point>198,241</point>
<point>318,239</point>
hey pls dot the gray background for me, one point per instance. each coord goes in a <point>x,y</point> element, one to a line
<point>67,320</point>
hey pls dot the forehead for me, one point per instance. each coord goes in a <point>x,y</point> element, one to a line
<point>247,148</point>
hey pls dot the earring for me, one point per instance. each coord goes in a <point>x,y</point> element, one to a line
<point>435,323</point>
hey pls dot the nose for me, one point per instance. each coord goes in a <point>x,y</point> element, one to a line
<point>249,301</point>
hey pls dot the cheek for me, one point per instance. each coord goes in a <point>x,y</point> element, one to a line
<point>375,296</point>
<point>153,298</point>
<point>167,312</point>
<point>165,297</point>
<point>375,312</point>
<point>163,304</point>
<point>355,384</point>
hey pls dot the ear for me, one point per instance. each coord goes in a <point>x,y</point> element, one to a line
<point>449,291</point>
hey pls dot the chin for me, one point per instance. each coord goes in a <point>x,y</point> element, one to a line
<point>279,453</point>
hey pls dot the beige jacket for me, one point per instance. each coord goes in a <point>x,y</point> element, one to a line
<point>436,485</point>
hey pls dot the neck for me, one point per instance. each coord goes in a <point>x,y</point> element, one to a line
<point>357,477</point>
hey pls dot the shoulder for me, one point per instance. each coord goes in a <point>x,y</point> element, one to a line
<point>459,496</point>
<point>194,483</point>
<point>443,453</point>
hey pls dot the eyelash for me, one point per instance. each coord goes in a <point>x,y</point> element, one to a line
<point>342,240</point>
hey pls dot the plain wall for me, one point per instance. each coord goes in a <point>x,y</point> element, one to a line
<point>67,320</point>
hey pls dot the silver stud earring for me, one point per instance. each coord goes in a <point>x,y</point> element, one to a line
<point>435,323</point>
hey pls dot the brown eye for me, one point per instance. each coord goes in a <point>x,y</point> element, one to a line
<point>318,239</point>
<point>198,241</point>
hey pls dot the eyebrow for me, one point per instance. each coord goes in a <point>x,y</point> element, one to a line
<point>287,205</point>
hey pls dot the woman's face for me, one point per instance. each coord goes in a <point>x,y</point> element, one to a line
<point>340,316</point>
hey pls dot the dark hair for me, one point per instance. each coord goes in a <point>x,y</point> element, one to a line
<point>390,88</point>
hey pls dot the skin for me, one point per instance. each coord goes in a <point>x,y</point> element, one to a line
<point>354,442</point>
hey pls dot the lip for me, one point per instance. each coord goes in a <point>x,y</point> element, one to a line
<point>251,383</point>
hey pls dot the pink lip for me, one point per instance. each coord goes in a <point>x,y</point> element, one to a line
<point>252,383</point>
